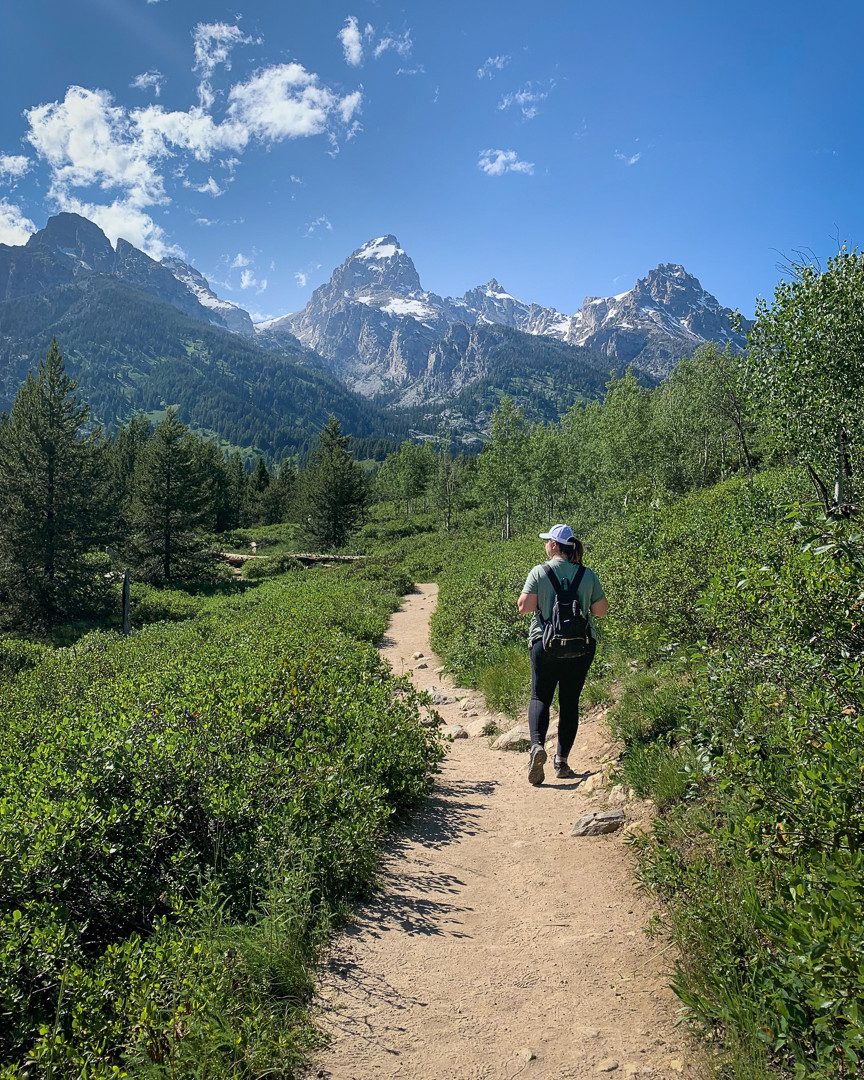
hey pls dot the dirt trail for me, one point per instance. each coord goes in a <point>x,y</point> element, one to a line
<point>499,945</point>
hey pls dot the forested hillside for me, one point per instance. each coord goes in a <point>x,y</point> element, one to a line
<point>130,351</point>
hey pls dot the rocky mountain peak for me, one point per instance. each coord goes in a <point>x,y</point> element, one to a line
<point>669,284</point>
<point>380,264</point>
<point>78,238</point>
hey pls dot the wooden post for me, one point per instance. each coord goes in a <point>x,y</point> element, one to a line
<point>127,616</point>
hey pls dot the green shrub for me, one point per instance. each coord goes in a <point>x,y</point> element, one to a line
<point>149,604</point>
<point>506,681</point>
<point>17,655</point>
<point>198,801</point>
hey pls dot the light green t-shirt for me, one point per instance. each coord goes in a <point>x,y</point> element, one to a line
<point>590,591</point>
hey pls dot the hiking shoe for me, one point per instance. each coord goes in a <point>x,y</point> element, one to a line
<point>535,767</point>
<point>564,772</point>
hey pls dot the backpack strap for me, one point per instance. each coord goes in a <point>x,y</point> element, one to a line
<point>556,584</point>
<point>553,578</point>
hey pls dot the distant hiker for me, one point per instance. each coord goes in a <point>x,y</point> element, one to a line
<point>563,594</point>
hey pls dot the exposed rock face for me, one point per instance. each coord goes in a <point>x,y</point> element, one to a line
<point>664,316</point>
<point>383,333</point>
<point>232,316</point>
<point>71,247</point>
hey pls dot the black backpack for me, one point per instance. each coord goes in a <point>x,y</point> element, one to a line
<point>567,635</point>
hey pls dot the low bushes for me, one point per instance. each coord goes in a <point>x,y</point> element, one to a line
<point>182,812</point>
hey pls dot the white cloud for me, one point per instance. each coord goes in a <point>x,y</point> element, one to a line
<point>149,80</point>
<point>213,43</point>
<point>195,130</point>
<point>300,278</point>
<point>208,188</point>
<point>15,228</point>
<point>319,223</point>
<point>93,145</point>
<point>492,64</point>
<point>352,42</point>
<point>87,140</point>
<point>240,260</point>
<point>286,102</point>
<point>628,159</point>
<point>295,179</point>
<point>498,162</point>
<point>249,281</point>
<point>527,99</point>
<point>14,166</point>
<point>120,219</point>
<point>401,45</point>
<point>205,221</point>
<point>418,70</point>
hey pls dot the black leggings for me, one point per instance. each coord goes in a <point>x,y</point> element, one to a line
<point>547,672</point>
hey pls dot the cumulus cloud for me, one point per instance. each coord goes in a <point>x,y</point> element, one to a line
<point>240,260</point>
<point>319,223</point>
<point>300,278</point>
<point>149,80</point>
<point>499,162</point>
<point>15,228</point>
<point>492,64</point>
<point>286,101</point>
<point>87,140</point>
<point>352,41</point>
<point>628,159</point>
<point>527,100</point>
<point>92,144</point>
<point>13,166</point>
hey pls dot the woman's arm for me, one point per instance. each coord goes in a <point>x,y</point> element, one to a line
<point>527,603</point>
<point>600,608</point>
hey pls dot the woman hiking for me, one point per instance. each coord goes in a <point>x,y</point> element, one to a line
<point>562,643</point>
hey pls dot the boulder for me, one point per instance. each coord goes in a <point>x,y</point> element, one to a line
<point>598,822</point>
<point>517,738</point>
<point>455,731</point>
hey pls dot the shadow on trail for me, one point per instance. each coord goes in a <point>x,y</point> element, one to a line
<point>413,898</point>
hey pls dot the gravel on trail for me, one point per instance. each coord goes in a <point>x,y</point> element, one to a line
<point>498,944</point>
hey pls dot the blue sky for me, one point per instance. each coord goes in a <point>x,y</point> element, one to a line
<point>563,148</point>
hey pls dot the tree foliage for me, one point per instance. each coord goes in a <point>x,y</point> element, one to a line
<point>334,492</point>
<point>54,497</point>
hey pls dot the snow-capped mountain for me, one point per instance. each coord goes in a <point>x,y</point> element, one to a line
<point>231,316</point>
<point>383,333</point>
<point>667,314</point>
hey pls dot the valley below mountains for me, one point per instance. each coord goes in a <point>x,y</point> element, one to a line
<point>371,346</point>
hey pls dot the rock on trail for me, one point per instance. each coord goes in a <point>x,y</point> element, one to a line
<point>499,945</point>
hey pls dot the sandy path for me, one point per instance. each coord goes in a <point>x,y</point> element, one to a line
<point>500,945</point>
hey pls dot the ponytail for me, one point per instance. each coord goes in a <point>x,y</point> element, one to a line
<point>572,552</point>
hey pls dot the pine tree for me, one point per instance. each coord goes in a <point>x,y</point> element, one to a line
<point>278,500</point>
<point>53,503</point>
<point>333,490</point>
<point>172,507</point>
<point>236,491</point>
